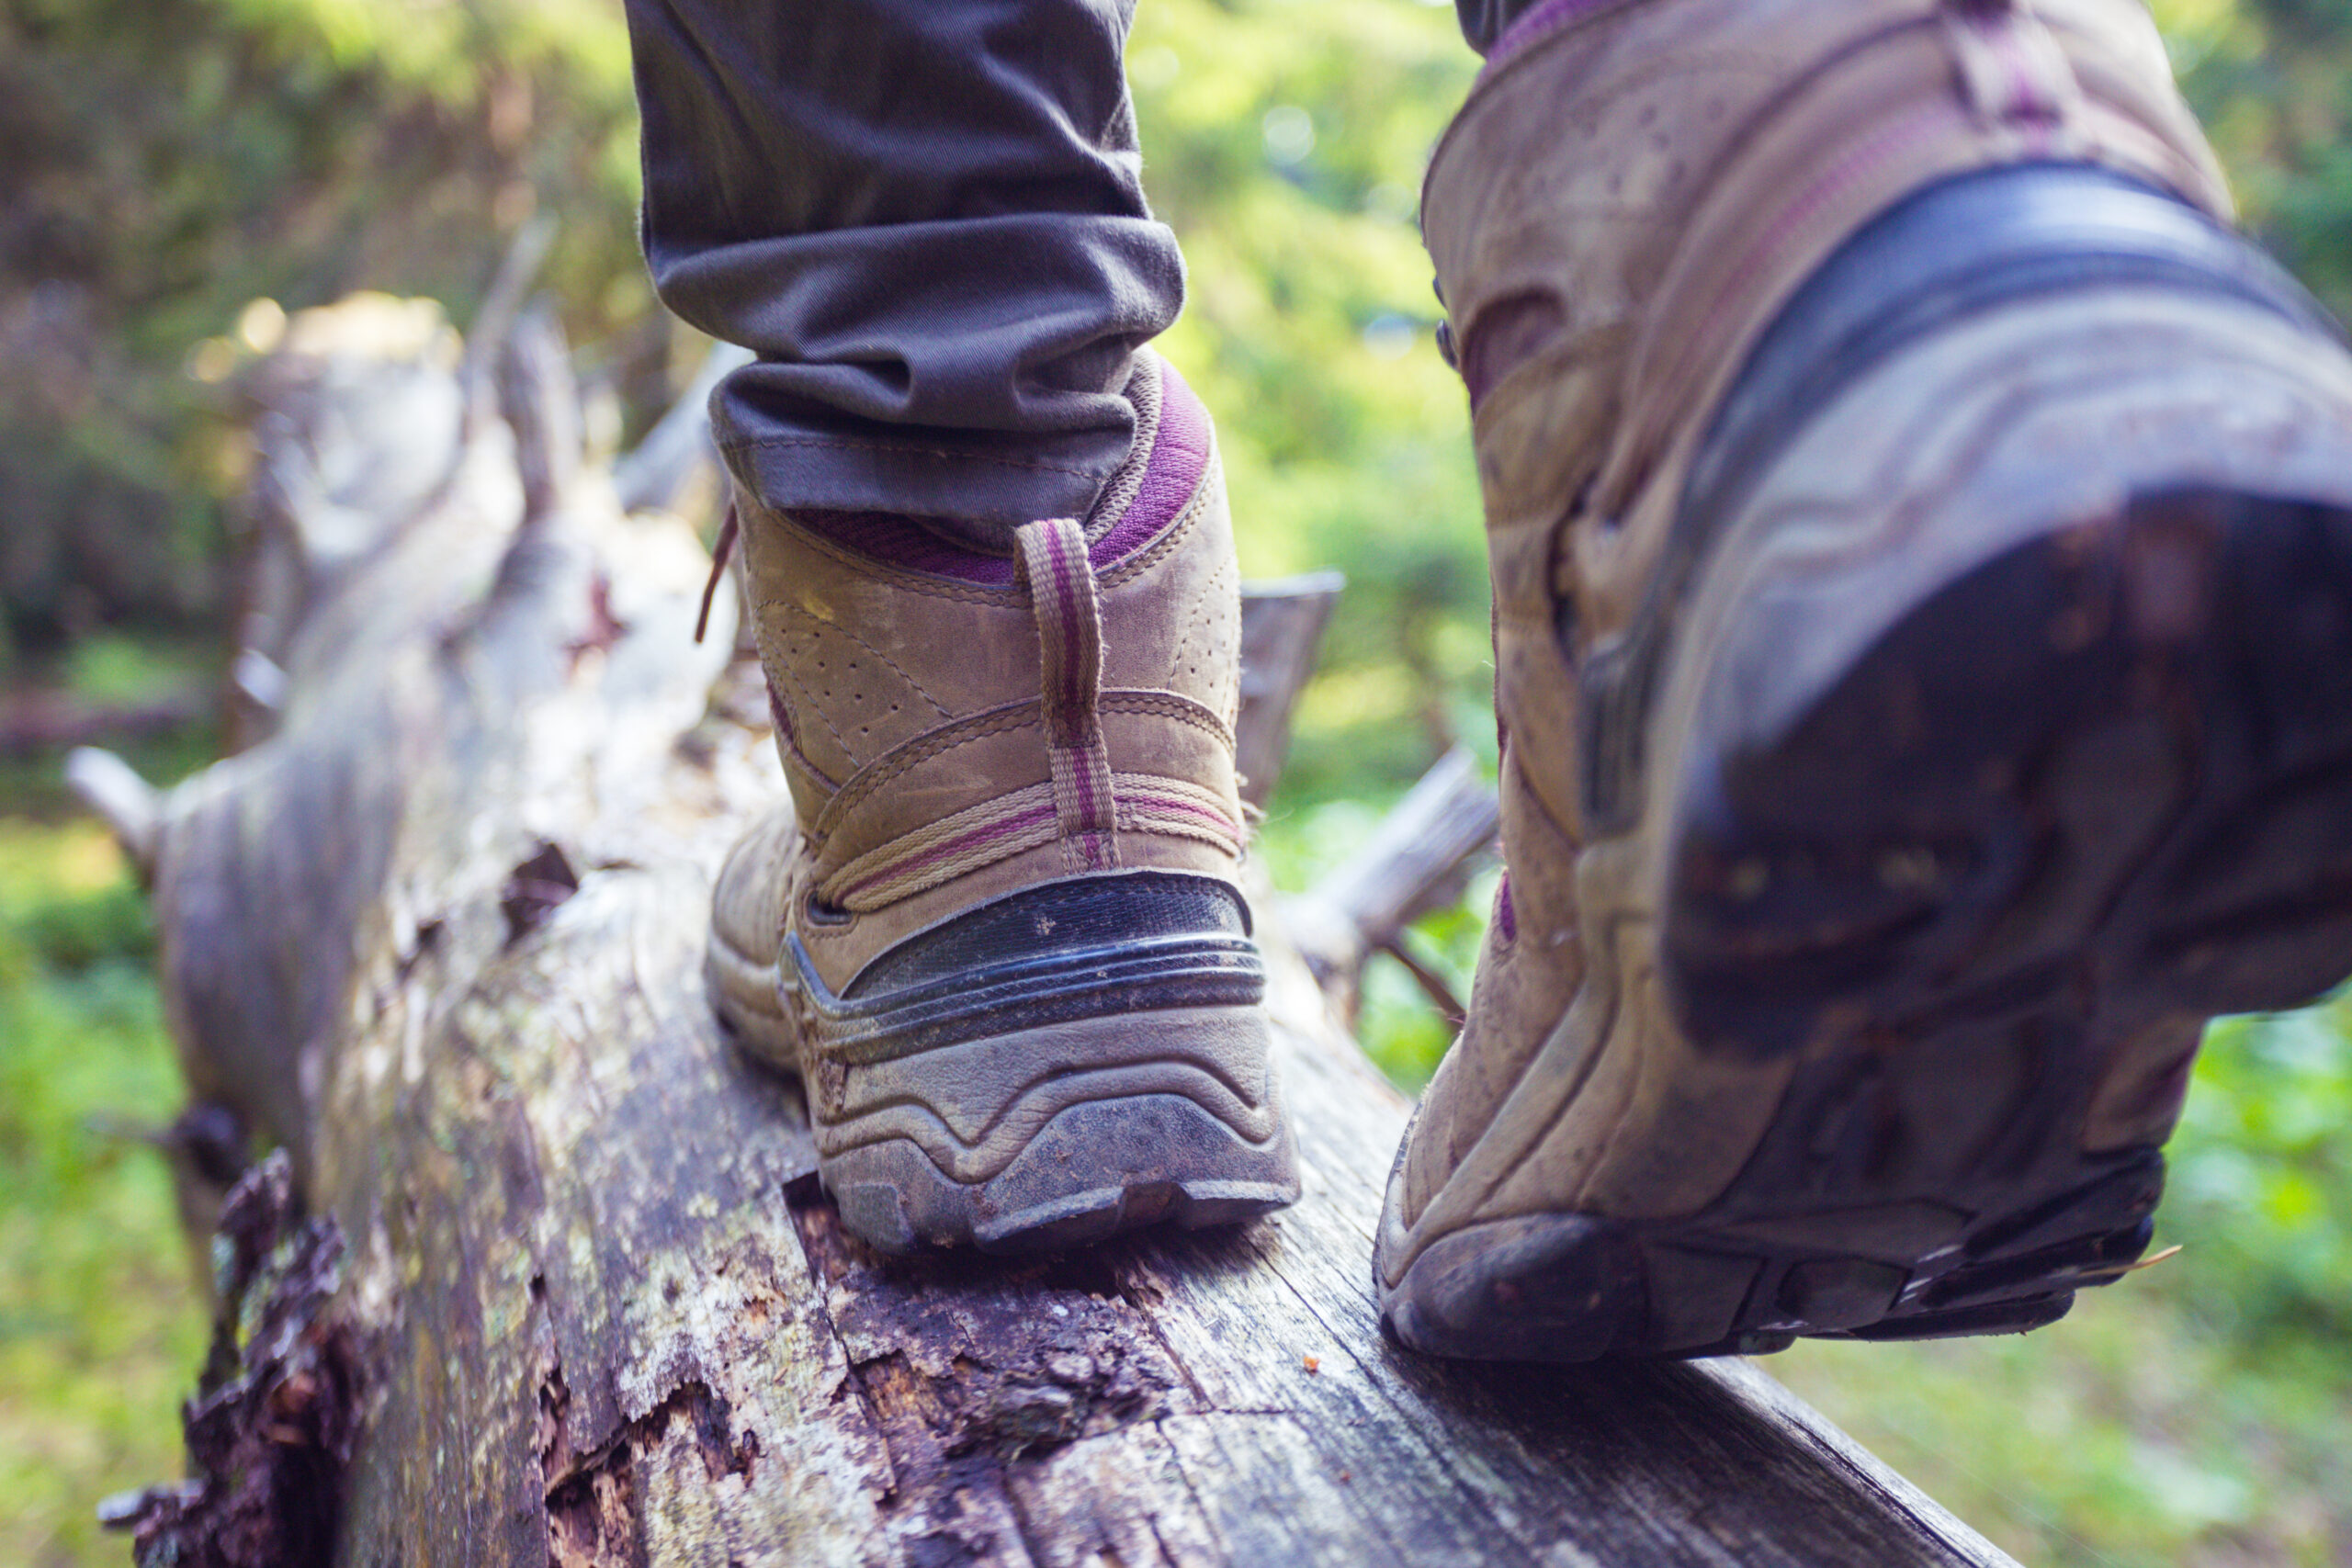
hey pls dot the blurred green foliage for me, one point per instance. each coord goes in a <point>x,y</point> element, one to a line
<point>2268,77</point>
<point>2194,1413</point>
<point>168,160</point>
<point>1284,142</point>
<point>101,1330</point>
<point>2262,1179</point>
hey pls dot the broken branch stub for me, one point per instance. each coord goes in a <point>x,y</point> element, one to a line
<point>1418,859</point>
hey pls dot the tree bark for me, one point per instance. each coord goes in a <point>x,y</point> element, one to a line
<point>439,934</point>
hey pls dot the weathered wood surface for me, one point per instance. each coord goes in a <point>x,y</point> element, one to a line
<point>440,934</point>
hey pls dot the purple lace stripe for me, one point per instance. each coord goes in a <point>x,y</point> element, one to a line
<point>1071,608</point>
<point>1088,788</point>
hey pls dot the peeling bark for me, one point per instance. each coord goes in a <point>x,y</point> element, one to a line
<point>271,1427</point>
<point>438,933</point>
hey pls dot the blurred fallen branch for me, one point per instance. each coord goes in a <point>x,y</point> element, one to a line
<point>36,720</point>
<point>1418,859</point>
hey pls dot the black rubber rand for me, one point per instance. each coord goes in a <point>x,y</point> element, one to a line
<point>1975,930</point>
<point>1067,1061</point>
<point>1088,947</point>
<point>2035,902</point>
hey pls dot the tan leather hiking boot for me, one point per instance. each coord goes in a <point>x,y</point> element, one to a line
<point>997,936</point>
<point>1922,555</point>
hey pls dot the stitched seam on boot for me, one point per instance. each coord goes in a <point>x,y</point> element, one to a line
<point>913,685</point>
<point>1887,148</point>
<point>1120,573</point>
<point>1149,803</point>
<point>1022,715</point>
<point>965,841</point>
<point>1026,714</point>
<point>981,835</point>
<point>814,708</point>
<point>795,757</point>
<point>1199,623</point>
<point>1169,705</point>
<point>1112,575</point>
<point>1119,492</point>
<point>1534,29</point>
<point>838,816</point>
<point>2031,53</point>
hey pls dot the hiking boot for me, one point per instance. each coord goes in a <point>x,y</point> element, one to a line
<point>998,935</point>
<point>1922,554</point>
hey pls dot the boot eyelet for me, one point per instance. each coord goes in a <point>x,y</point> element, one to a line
<point>820,913</point>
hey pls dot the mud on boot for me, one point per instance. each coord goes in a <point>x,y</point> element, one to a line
<point>1925,639</point>
<point>998,934</point>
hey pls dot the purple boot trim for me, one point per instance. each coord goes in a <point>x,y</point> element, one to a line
<point>902,542</point>
<point>1171,478</point>
<point>1537,24</point>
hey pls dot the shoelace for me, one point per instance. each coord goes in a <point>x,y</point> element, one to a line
<point>719,554</point>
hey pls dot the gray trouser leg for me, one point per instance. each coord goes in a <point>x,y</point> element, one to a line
<point>925,217</point>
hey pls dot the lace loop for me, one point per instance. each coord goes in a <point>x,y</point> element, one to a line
<point>1052,564</point>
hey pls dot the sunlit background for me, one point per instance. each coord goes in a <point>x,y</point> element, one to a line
<point>179,174</point>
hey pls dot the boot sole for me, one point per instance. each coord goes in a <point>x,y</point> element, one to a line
<point>1078,1172</point>
<point>1979,954</point>
<point>1993,953</point>
<point>982,1088</point>
<point>1954,906</point>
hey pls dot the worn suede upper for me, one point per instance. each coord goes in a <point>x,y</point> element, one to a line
<point>937,758</point>
<point>1630,194</point>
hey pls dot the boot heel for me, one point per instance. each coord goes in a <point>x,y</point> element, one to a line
<point>2019,743</point>
<point>1050,1069</point>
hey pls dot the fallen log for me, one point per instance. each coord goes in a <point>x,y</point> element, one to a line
<point>41,720</point>
<point>567,1291</point>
